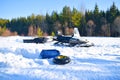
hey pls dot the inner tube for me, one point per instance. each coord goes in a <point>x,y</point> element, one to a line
<point>52,53</point>
<point>61,59</point>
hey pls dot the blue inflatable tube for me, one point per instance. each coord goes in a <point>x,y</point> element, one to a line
<point>52,53</point>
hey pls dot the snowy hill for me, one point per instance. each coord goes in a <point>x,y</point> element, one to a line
<point>21,61</point>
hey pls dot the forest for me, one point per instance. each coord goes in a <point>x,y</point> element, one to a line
<point>90,23</point>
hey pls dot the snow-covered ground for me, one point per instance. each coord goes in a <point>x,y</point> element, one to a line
<point>21,61</point>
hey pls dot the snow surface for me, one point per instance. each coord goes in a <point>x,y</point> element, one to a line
<point>21,61</point>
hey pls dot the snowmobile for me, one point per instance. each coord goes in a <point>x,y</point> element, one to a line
<point>73,40</point>
<point>36,40</point>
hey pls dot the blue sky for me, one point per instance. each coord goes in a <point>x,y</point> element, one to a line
<point>22,8</point>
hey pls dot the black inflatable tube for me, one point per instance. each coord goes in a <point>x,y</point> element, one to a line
<point>61,60</point>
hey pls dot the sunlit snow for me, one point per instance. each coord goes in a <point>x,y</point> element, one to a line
<point>21,61</point>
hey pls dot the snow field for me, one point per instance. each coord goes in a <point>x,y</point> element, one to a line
<point>20,61</point>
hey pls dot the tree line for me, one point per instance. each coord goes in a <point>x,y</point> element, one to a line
<point>90,23</point>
